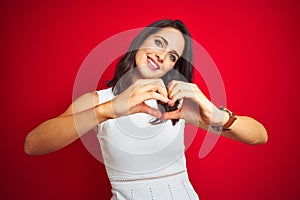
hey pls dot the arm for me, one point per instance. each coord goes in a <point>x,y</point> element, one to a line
<point>60,131</point>
<point>198,110</point>
<point>247,130</point>
<point>84,114</point>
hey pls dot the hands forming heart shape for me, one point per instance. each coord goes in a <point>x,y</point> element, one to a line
<point>196,108</point>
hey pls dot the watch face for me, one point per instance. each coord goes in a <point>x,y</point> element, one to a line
<point>232,118</point>
<point>226,110</point>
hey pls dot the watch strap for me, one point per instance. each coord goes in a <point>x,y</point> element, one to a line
<point>231,120</point>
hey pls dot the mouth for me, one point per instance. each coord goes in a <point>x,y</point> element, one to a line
<point>152,64</point>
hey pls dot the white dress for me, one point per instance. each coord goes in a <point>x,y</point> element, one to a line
<point>144,161</point>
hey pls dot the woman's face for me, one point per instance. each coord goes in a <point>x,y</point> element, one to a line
<point>159,53</point>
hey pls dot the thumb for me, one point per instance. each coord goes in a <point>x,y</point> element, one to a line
<point>172,115</point>
<point>151,111</point>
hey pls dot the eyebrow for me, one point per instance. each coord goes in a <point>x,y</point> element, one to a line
<point>165,41</point>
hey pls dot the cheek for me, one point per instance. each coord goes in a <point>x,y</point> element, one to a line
<point>138,57</point>
<point>169,65</point>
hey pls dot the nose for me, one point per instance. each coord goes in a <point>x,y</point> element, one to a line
<point>161,55</point>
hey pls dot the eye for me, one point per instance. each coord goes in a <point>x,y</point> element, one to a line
<point>158,43</point>
<point>172,57</point>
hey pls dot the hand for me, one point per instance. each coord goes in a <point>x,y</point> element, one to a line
<point>196,107</point>
<point>132,99</point>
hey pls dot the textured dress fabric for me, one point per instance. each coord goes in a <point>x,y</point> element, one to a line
<point>144,160</point>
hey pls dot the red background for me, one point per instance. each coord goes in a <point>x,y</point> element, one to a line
<point>255,46</point>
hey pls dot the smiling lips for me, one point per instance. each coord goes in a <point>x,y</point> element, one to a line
<point>152,64</point>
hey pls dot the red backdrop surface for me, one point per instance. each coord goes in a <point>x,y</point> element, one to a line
<point>255,46</point>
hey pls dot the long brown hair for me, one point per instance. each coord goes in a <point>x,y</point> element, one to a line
<point>183,66</point>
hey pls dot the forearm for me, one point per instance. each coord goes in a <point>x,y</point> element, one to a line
<point>247,130</point>
<point>58,132</point>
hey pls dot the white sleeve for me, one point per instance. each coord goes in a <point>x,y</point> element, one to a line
<point>105,95</point>
<point>99,95</point>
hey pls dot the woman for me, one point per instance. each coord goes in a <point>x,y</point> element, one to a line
<point>152,79</point>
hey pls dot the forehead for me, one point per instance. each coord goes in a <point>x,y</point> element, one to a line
<point>173,36</point>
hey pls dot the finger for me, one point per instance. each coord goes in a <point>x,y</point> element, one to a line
<point>172,101</point>
<point>176,96</point>
<point>153,87</point>
<point>185,94</point>
<point>163,90</point>
<point>154,95</point>
<point>172,115</point>
<point>176,87</point>
<point>151,111</point>
<point>171,85</point>
<point>182,85</point>
<point>161,86</point>
<point>173,91</point>
<point>173,88</point>
<point>188,94</point>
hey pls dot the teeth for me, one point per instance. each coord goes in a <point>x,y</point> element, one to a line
<point>153,64</point>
